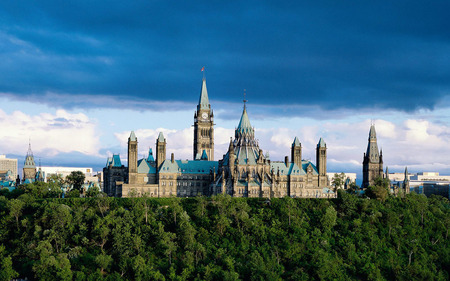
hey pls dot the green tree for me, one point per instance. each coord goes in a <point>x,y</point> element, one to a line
<point>338,181</point>
<point>76,180</point>
<point>380,190</point>
<point>15,207</point>
<point>6,270</point>
<point>104,262</point>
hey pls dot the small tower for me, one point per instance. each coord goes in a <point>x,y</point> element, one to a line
<point>321,162</point>
<point>29,167</point>
<point>296,152</point>
<point>160,150</point>
<point>373,161</point>
<point>204,126</point>
<point>406,181</point>
<point>132,158</point>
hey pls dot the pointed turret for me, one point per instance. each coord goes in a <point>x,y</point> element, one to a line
<point>321,162</point>
<point>244,129</point>
<point>203,126</point>
<point>203,102</point>
<point>406,181</point>
<point>132,136</point>
<point>372,161</point>
<point>132,157</point>
<point>321,143</point>
<point>150,158</point>
<point>161,137</point>
<point>160,150</point>
<point>29,167</point>
<point>296,152</point>
<point>372,146</point>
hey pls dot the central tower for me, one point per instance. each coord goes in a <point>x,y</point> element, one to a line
<point>203,126</point>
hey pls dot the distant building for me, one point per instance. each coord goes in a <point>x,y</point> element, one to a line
<point>427,183</point>
<point>7,164</point>
<point>29,167</point>
<point>348,179</point>
<point>114,174</point>
<point>65,171</point>
<point>244,171</point>
<point>372,161</point>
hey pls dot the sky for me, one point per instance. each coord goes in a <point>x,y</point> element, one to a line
<point>77,76</point>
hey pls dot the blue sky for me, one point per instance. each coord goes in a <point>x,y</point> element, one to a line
<point>77,76</point>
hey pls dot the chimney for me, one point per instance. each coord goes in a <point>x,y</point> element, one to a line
<point>172,158</point>
<point>286,161</point>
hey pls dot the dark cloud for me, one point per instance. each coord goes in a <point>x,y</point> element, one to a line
<point>326,54</point>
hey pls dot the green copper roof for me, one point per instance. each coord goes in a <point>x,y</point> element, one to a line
<point>145,168</point>
<point>244,124</point>
<point>296,142</point>
<point>116,160</point>
<point>150,156</point>
<point>188,167</point>
<point>321,143</point>
<point>161,137</point>
<point>204,155</point>
<point>29,160</point>
<point>132,136</point>
<point>203,102</point>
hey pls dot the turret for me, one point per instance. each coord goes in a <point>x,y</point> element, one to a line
<point>160,150</point>
<point>132,153</point>
<point>296,152</point>
<point>203,126</point>
<point>321,162</point>
<point>372,161</point>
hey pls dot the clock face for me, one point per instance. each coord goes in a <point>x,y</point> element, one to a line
<point>204,115</point>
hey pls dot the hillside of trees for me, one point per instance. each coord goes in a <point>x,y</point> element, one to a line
<point>222,238</point>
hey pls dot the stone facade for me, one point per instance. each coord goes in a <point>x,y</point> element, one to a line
<point>244,170</point>
<point>372,161</point>
<point>114,174</point>
<point>29,167</point>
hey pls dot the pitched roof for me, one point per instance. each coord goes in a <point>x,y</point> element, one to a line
<point>372,147</point>
<point>188,166</point>
<point>244,124</point>
<point>296,142</point>
<point>114,161</point>
<point>321,143</point>
<point>161,137</point>
<point>203,102</point>
<point>132,136</point>
<point>150,156</point>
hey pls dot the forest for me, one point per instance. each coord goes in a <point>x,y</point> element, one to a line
<point>43,237</point>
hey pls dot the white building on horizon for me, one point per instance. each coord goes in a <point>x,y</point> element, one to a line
<point>90,176</point>
<point>7,164</point>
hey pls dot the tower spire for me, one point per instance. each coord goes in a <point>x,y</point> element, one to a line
<point>244,98</point>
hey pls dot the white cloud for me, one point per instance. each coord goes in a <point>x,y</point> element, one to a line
<point>50,134</point>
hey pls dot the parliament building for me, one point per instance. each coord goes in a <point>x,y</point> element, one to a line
<point>244,171</point>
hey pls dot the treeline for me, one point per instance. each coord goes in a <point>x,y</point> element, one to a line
<point>222,238</point>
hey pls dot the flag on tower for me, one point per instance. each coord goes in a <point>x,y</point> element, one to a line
<point>203,69</point>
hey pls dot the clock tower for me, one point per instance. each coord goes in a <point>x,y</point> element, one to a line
<point>204,127</point>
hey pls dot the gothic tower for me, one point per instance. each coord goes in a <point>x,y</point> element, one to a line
<point>132,158</point>
<point>29,167</point>
<point>321,162</point>
<point>204,126</point>
<point>160,150</point>
<point>296,152</point>
<point>373,161</point>
<point>406,186</point>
